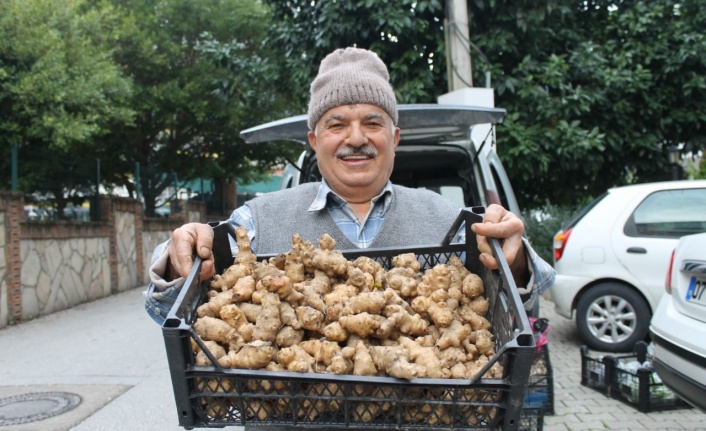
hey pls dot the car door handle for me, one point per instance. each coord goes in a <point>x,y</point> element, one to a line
<point>637,250</point>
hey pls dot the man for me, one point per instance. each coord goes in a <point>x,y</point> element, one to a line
<point>352,119</point>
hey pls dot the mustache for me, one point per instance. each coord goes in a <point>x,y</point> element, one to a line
<point>364,150</point>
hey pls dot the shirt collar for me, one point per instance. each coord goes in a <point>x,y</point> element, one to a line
<point>325,191</point>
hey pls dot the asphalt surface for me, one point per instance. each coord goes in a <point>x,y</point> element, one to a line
<point>102,366</point>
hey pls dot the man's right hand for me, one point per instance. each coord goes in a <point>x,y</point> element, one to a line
<point>190,238</point>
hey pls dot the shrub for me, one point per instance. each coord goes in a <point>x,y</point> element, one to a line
<point>541,224</point>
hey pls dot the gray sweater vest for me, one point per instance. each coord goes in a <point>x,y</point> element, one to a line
<point>415,217</point>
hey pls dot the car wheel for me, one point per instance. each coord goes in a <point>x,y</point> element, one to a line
<point>612,317</point>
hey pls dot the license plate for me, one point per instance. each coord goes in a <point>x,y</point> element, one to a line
<point>697,291</point>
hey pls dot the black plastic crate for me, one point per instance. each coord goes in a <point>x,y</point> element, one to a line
<point>634,381</point>
<point>540,387</point>
<point>217,397</point>
<point>531,420</point>
<point>631,379</point>
<point>594,370</point>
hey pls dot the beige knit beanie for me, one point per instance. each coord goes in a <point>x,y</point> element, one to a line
<point>347,76</point>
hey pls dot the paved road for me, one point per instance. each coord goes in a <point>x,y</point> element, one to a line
<point>111,355</point>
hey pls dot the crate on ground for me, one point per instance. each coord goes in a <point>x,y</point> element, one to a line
<point>631,379</point>
<point>531,420</point>
<point>540,388</point>
<point>593,371</point>
<point>213,396</point>
<point>634,381</point>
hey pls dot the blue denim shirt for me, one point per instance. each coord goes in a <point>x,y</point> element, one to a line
<point>360,232</point>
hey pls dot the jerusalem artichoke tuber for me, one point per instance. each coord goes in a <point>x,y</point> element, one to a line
<point>311,310</point>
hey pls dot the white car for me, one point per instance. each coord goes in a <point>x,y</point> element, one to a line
<point>611,259</point>
<point>678,327</point>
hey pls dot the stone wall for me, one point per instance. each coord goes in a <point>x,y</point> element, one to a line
<point>61,273</point>
<point>51,266</point>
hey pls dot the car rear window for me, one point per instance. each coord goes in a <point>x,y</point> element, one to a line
<point>583,211</point>
<point>669,214</point>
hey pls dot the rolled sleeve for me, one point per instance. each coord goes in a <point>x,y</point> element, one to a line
<point>541,278</point>
<point>543,274</point>
<point>161,294</point>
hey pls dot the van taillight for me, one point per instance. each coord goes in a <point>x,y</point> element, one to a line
<point>560,240</point>
<point>668,281</point>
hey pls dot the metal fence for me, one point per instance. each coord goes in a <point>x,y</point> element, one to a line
<point>62,187</point>
<point>65,187</point>
<point>55,186</point>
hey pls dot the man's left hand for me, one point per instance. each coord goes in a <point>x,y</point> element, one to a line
<point>508,228</point>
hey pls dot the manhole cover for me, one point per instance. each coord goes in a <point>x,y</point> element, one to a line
<point>26,408</point>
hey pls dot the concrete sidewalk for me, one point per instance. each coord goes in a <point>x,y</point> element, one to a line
<point>109,352</point>
<point>111,355</point>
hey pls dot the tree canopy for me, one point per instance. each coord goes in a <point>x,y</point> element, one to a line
<point>60,90</point>
<point>597,91</point>
<point>200,74</point>
<point>407,34</point>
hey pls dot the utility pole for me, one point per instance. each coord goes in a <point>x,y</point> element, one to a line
<point>460,78</point>
<point>458,45</point>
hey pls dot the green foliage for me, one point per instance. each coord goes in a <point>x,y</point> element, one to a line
<point>200,75</point>
<point>543,223</point>
<point>696,169</point>
<point>701,173</point>
<point>407,34</point>
<point>58,83</point>
<point>596,92</point>
<point>60,90</point>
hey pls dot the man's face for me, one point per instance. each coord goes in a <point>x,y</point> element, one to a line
<point>355,149</point>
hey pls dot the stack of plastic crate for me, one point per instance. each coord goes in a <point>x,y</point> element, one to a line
<point>629,378</point>
<point>539,398</point>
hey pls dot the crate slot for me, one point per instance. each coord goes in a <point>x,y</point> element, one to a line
<point>540,387</point>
